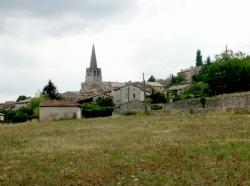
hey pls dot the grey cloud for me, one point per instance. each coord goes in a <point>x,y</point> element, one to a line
<point>57,17</point>
<point>86,8</point>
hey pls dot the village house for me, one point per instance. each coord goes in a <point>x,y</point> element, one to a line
<point>1,117</point>
<point>22,103</point>
<point>177,89</point>
<point>127,93</point>
<point>7,105</point>
<point>189,72</point>
<point>59,109</point>
<point>157,87</point>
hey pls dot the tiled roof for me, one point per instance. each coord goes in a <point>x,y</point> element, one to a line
<point>58,103</point>
<point>154,84</point>
<point>24,101</point>
<point>4,106</point>
<point>178,87</point>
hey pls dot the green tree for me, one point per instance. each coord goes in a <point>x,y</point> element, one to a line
<point>208,61</point>
<point>22,97</point>
<point>50,90</point>
<point>105,102</point>
<point>228,73</point>
<point>151,79</point>
<point>179,79</point>
<point>199,61</point>
<point>158,98</point>
<point>199,89</point>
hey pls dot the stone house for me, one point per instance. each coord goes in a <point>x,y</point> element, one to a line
<point>59,109</point>
<point>157,87</point>
<point>1,117</point>
<point>127,93</point>
<point>134,105</point>
<point>177,89</point>
<point>22,103</point>
<point>7,105</point>
<point>189,72</point>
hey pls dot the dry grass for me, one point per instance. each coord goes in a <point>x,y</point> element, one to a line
<point>132,150</point>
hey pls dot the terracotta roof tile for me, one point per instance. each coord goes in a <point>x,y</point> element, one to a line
<point>58,103</point>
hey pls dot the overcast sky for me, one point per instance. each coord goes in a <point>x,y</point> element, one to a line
<point>52,39</point>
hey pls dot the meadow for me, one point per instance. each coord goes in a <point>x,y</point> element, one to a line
<point>156,149</point>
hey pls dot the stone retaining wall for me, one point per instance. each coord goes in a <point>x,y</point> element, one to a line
<point>237,102</point>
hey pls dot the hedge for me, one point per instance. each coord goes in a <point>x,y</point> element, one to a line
<point>97,112</point>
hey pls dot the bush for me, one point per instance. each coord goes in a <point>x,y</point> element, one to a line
<point>156,107</point>
<point>20,115</point>
<point>203,101</point>
<point>129,113</point>
<point>177,98</point>
<point>158,98</point>
<point>199,89</point>
<point>102,107</point>
<point>105,102</point>
<point>97,112</point>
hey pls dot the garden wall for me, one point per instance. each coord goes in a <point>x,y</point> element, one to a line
<point>234,102</point>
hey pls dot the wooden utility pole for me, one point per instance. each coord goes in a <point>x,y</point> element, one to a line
<point>144,89</point>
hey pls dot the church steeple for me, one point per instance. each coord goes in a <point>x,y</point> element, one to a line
<point>93,78</point>
<point>93,62</point>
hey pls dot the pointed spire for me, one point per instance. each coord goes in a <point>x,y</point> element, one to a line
<point>93,62</point>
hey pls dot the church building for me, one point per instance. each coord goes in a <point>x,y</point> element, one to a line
<point>93,78</point>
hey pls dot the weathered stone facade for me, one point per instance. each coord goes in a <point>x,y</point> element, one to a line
<point>59,109</point>
<point>1,117</point>
<point>189,72</point>
<point>127,93</point>
<point>134,105</point>
<point>237,101</point>
<point>93,78</point>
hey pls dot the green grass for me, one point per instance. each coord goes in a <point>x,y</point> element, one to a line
<point>128,150</point>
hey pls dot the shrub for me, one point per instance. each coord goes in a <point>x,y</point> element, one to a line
<point>129,113</point>
<point>158,98</point>
<point>177,98</point>
<point>16,116</point>
<point>203,101</point>
<point>156,107</point>
<point>97,112</point>
<point>105,102</point>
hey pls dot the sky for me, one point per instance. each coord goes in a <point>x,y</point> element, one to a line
<point>52,39</point>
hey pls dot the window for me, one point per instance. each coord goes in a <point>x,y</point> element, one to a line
<point>134,96</point>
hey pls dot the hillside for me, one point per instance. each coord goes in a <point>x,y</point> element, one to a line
<point>132,150</point>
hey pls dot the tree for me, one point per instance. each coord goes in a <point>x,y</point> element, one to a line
<point>105,102</point>
<point>175,80</point>
<point>228,73</point>
<point>22,97</point>
<point>158,98</point>
<point>50,90</point>
<point>208,60</point>
<point>151,79</point>
<point>199,61</point>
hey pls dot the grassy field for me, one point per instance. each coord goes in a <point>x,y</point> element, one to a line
<point>128,150</point>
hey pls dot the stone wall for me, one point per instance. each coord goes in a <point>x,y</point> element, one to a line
<point>226,102</point>
<point>137,106</point>
<point>57,113</point>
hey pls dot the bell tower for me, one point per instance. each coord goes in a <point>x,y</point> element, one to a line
<point>93,78</point>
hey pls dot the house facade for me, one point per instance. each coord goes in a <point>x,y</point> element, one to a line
<point>157,87</point>
<point>22,103</point>
<point>177,89</point>
<point>189,72</point>
<point>127,93</point>
<point>1,117</point>
<point>59,109</point>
